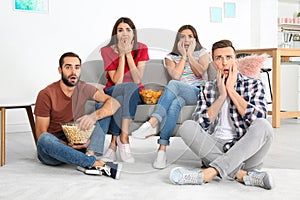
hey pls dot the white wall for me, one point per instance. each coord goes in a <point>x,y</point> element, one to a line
<point>288,8</point>
<point>264,23</point>
<point>31,43</point>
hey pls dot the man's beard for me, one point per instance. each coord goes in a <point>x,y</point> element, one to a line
<point>68,83</point>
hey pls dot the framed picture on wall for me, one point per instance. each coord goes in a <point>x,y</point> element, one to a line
<point>41,6</point>
<point>229,10</point>
<point>216,14</point>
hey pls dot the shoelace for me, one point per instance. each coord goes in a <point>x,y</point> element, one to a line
<point>106,169</point>
<point>126,149</point>
<point>190,177</point>
<point>257,178</point>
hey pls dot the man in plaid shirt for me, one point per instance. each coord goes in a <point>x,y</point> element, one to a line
<point>229,130</point>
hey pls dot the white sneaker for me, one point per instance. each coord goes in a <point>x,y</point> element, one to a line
<point>184,176</point>
<point>161,160</point>
<point>110,169</point>
<point>260,179</point>
<point>125,151</point>
<point>109,156</point>
<point>145,131</point>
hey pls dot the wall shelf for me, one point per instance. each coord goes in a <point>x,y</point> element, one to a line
<point>289,1</point>
<point>289,27</point>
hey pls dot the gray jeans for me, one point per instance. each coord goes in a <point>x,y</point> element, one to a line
<point>246,154</point>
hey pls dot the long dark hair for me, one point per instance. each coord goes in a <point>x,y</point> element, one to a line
<point>114,39</point>
<point>185,27</point>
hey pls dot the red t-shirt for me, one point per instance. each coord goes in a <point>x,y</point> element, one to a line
<point>52,102</point>
<point>111,62</point>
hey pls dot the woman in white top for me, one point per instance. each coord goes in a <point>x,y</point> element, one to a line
<point>187,65</point>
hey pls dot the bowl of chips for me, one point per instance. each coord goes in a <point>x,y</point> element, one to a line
<point>150,96</point>
<point>74,134</point>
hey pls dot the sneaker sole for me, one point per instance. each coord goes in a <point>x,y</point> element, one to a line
<point>271,182</point>
<point>129,160</point>
<point>120,165</point>
<point>159,167</point>
<point>81,169</point>
<point>89,171</point>
<point>170,176</point>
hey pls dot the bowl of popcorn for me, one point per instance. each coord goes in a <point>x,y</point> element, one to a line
<point>74,134</point>
<point>150,96</point>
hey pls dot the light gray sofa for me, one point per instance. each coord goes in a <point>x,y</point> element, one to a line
<point>155,77</point>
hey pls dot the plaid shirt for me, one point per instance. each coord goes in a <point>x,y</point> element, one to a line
<point>252,90</point>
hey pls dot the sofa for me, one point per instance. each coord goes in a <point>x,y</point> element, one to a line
<point>155,77</point>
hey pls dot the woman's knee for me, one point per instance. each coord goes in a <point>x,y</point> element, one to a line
<point>173,84</point>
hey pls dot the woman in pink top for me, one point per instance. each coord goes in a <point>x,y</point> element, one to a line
<point>124,60</point>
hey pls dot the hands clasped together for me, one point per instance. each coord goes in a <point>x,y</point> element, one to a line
<point>125,46</point>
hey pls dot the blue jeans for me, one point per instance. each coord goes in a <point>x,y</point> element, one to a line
<point>129,97</point>
<point>176,95</point>
<point>51,151</point>
<point>98,136</point>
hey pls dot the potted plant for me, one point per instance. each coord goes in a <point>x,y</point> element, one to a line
<point>298,15</point>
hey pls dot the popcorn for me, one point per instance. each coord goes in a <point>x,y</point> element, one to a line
<point>150,96</point>
<point>74,135</point>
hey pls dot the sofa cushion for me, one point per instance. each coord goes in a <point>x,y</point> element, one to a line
<point>144,112</point>
<point>93,72</point>
<point>155,74</point>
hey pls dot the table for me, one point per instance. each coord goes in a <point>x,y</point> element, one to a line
<point>14,103</point>
<point>276,54</point>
